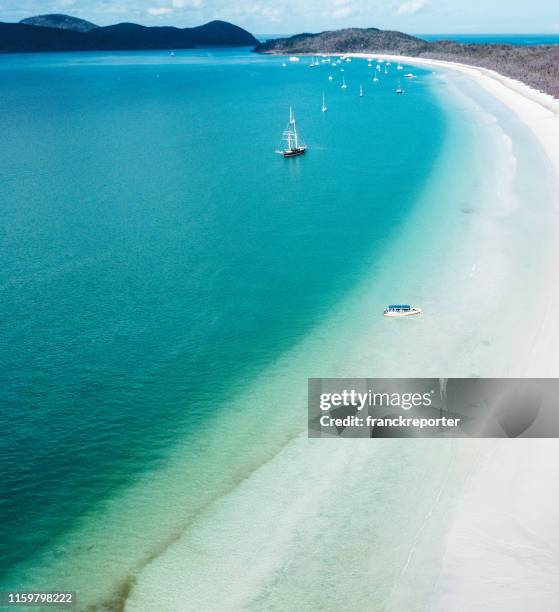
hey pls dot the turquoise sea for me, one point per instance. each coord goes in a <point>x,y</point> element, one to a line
<point>169,282</point>
<point>157,253</point>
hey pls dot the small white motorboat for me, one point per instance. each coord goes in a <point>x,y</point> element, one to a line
<point>401,310</point>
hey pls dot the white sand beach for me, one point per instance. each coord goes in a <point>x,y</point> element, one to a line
<point>502,549</point>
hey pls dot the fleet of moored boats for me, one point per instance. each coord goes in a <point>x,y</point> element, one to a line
<point>293,147</point>
<point>291,142</point>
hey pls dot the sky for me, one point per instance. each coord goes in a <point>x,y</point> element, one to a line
<point>293,16</point>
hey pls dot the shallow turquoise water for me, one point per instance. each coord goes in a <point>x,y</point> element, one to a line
<point>157,254</point>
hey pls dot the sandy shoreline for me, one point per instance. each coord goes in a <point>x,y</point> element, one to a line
<point>539,112</point>
<point>501,550</point>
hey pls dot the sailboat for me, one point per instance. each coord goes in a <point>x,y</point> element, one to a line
<point>375,79</point>
<point>291,139</point>
<point>344,86</point>
<point>360,90</point>
<point>324,107</point>
<point>400,67</point>
<point>399,90</point>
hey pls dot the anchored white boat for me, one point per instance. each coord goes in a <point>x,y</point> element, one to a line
<point>344,86</point>
<point>401,310</point>
<point>324,107</point>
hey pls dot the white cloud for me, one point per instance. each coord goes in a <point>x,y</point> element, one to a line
<point>412,6</point>
<point>342,11</point>
<point>265,12</point>
<point>187,3</point>
<point>174,5</point>
<point>342,8</point>
<point>156,11</point>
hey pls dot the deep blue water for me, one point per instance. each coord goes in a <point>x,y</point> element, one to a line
<point>156,252</point>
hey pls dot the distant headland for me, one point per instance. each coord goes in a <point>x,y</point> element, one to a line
<point>537,65</point>
<point>58,32</point>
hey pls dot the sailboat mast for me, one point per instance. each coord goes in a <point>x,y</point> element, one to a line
<point>289,128</point>
<point>292,114</point>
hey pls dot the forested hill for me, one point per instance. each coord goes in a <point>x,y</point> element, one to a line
<point>23,37</point>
